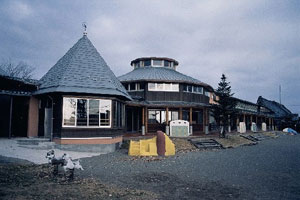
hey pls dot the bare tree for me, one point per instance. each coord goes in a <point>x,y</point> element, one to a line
<point>20,70</point>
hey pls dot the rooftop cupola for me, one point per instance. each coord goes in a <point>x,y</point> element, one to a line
<point>154,62</point>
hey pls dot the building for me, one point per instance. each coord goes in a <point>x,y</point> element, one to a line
<point>162,94</point>
<point>283,117</point>
<point>18,109</point>
<point>81,100</point>
<point>249,112</point>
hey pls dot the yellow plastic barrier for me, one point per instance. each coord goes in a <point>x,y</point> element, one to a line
<point>170,147</point>
<point>134,148</point>
<point>143,147</point>
<point>148,147</point>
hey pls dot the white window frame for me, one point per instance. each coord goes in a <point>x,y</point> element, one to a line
<point>137,87</point>
<point>161,63</point>
<point>75,126</point>
<point>164,87</point>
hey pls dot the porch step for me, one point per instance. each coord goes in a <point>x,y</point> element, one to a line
<point>256,137</point>
<point>206,144</point>
<point>249,137</point>
<point>32,141</point>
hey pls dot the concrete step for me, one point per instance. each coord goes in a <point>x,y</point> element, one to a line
<point>32,141</point>
<point>206,144</point>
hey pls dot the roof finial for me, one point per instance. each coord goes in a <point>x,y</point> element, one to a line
<point>84,28</point>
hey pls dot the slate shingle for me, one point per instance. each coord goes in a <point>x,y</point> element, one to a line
<point>278,109</point>
<point>158,74</point>
<point>82,70</point>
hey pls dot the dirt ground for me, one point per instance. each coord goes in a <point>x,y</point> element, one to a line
<point>28,181</point>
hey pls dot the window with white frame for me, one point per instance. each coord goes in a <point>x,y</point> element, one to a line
<point>134,86</point>
<point>84,112</point>
<point>166,87</point>
<point>193,89</point>
<point>157,63</point>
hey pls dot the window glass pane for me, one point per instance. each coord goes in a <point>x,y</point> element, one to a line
<point>186,115</point>
<point>147,63</point>
<point>157,62</point>
<point>142,86</point>
<point>168,86</point>
<point>185,88</point>
<point>190,89</point>
<point>200,90</point>
<point>160,87</point>
<point>152,117</point>
<point>151,86</point>
<point>167,63</point>
<point>93,112</point>
<point>163,116</point>
<point>157,116</point>
<point>174,115</point>
<point>197,117</point>
<point>69,109</point>
<point>81,112</point>
<point>132,86</point>
<point>175,87</point>
<point>105,108</point>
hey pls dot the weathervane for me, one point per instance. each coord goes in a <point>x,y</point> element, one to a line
<point>84,28</point>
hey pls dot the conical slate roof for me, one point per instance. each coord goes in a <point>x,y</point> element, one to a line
<point>82,70</point>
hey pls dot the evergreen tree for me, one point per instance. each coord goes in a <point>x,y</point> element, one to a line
<point>223,111</point>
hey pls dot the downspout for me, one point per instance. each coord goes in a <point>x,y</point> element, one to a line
<point>51,134</point>
<point>10,116</point>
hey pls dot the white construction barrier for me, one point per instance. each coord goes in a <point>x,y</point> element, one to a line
<point>253,127</point>
<point>264,126</point>
<point>242,127</point>
<point>179,128</point>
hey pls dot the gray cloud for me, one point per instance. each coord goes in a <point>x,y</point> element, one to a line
<point>255,43</point>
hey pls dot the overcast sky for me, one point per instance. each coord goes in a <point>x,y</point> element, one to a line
<point>255,43</point>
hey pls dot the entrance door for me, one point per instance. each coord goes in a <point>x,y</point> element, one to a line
<point>4,115</point>
<point>48,123</point>
<point>133,119</point>
<point>19,122</point>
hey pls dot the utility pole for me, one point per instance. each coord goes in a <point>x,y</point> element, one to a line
<point>280,94</point>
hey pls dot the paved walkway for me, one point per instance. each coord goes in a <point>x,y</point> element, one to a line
<point>11,148</point>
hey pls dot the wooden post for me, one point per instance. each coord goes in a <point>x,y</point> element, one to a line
<point>167,116</point>
<point>237,120</point>
<point>180,113</point>
<point>244,118</point>
<point>191,116</point>
<point>143,116</point>
<point>251,120</point>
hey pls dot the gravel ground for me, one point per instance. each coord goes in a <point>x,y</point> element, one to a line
<point>269,170</point>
